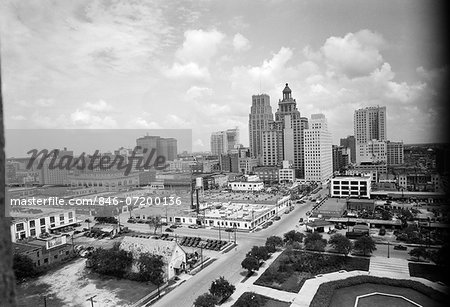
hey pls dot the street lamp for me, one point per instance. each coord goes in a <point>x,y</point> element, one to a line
<point>388,249</point>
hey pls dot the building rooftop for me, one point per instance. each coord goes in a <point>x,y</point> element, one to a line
<point>34,212</point>
<point>138,245</point>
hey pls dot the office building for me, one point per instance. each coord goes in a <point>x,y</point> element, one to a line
<point>394,153</point>
<point>155,146</point>
<point>341,158</point>
<point>222,142</point>
<point>370,134</point>
<point>352,187</point>
<point>350,143</point>
<point>293,125</point>
<point>259,118</point>
<point>370,124</point>
<point>318,150</point>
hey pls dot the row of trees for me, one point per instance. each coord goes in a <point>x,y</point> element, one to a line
<point>219,292</point>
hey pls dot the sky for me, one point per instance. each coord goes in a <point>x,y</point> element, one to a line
<point>124,64</point>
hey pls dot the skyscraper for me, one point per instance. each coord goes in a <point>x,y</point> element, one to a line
<point>219,143</point>
<point>258,120</point>
<point>370,134</point>
<point>223,142</point>
<point>350,143</point>
<point>318,150</point>
<point>293,126</point>
<point>370,124</point>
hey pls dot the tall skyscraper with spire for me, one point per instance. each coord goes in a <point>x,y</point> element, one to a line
<point>260,117</point>
<point>293,127</point>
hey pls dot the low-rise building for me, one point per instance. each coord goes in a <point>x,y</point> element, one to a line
<point>45,251</point>
<point>34,222</point>
<point>246,186</point>
<point>268,174</point>
<point>173,255</point>
<point>353,187</point>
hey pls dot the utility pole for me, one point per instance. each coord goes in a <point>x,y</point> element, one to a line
<point>220,238</point>
<point>92,300</point>
<point>388,249</point>
<point>201,255</point>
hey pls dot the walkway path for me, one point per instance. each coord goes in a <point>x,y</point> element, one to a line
<point>379,266</point>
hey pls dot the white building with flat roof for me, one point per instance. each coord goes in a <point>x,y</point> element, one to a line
<point>353,187</point>
<point>246,186</point>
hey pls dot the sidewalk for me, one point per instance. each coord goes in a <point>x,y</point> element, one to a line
<point>397,269</point>
<point>248,286</point>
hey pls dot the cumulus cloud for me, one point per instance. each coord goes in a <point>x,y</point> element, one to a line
<point>199,46</point>
<point>355,54</point>
<point>195,92</point>
<point>188,70</point>
<point>240,42</point>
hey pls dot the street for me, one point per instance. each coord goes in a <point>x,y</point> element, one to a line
<point>229,264</point>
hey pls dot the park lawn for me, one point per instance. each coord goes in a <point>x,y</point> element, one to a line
<point>293,267</point>
<point>429,271</point>
<point>268,302</point>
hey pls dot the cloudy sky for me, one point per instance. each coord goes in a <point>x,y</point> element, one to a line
<point>123,64</point>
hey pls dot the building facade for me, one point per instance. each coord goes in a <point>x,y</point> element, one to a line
<point>394,153</point>
<point>260,117</point>
<point>352,187</point>
<point>350,142</point>
<point>318,150</point>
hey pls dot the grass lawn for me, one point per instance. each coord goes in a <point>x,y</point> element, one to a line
<point>267,301</point>
<point>344,297</point>
<point>293,267</point>
<point>429,271</point>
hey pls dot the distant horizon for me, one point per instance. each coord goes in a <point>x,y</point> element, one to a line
<point>19,141</point>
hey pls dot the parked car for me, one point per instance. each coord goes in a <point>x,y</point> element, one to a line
<point>173,226</point>
<point>193,226</point>
<point>229,230</point>
<point>400,247</point>
<point>169,230</point>
<point>277,218</point>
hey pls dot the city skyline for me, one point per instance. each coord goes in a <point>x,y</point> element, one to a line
<point>196,65</point>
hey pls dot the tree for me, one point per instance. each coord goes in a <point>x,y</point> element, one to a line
<point>293,236</point>
<point>221,289</point>
<point>205,300</point>
<point>259,253</point>
<point>365,244</point>
<point>151,269</point>
<point>251,264</point>
<point>273,242</point>
<point>315,241</point>
<point>341,244</point>
<point>23,267</point>
<point>154,221</point>
<point>114,261</point>
<point>419,252</point>
<point>250,299</point>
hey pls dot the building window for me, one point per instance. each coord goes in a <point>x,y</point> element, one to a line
<point>46,260</point>
<point>52,219</point>
<point>42,221</point>
<point>19,227</point>
<point>32,224</point>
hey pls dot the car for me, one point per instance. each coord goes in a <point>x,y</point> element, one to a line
<point>400,247</point>
<point>193,226</point>
<point>277,218</point>
<point>173,226</point>
<point>169,230</point>
<point>229,230</point>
